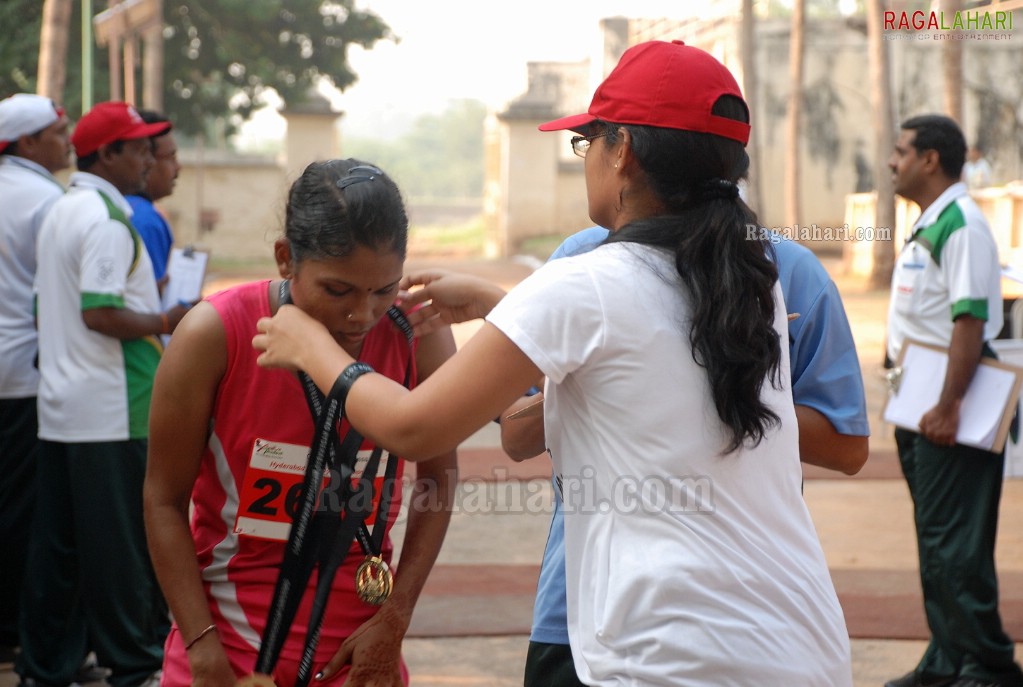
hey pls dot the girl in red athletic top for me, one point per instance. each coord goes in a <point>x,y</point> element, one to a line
<point>233,439</point>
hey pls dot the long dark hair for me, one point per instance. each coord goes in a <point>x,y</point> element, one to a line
<point>725,262</point>
<point>338,205</point>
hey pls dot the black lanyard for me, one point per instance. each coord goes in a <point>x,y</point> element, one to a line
<point>324,535</point>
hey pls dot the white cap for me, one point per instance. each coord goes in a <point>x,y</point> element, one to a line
<point>23,114</point>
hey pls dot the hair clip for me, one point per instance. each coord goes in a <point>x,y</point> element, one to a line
<point>350,178</point>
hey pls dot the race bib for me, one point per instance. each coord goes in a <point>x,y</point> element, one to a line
<point>272,489</point>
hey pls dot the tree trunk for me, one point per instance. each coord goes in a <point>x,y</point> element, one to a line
<point>952,66</point>
<point>53,41</point>
<point>884,144</point>
<point>747,42</point>
<point>152,67</point>
<point>793,123</point>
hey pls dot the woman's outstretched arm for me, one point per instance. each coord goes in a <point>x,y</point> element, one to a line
<point>465,393</point>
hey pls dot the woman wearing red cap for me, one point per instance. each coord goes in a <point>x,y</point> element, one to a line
<point>690,555</point>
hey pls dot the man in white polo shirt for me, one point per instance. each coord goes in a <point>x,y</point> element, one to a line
<point>946,291</point>
<point>88,575</point>
<point>33,146</point>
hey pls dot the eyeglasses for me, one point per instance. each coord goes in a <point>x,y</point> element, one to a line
<point>581,144</point>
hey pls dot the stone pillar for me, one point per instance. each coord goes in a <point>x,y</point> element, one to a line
<point>312,133</point>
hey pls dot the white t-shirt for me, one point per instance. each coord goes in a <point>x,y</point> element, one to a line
<point>684,566</point>
<point>949,267</point>
<point>27,191</point>
<point>93,387</point>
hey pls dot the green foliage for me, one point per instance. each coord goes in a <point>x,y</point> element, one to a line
<point>19,55</point>
<point>219,55</point>
<point>441,157</point>
<point>19,49</point>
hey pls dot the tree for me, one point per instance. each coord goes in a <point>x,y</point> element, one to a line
<point>19,50</point>
<point>884,143</point>
<point>749,89</point>
<point>440,157</point>
<point>219,55</point>
<point>53,42</point>
<point>952,66</point>
<point>793,123</point>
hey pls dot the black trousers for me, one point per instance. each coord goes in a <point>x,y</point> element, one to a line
<point>550,665</point>
<point>19,452</point>
<point>88,579</point>
<point>956,491</point>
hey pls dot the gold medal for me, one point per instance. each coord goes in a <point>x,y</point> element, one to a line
<point>256,680</point>
<point>373,580</point>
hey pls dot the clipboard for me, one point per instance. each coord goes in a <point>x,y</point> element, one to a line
<point>987,408</point>
<point>186,273</point>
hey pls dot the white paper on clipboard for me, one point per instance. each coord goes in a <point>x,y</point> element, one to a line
<point>186,272</point>
<point>982,418</point>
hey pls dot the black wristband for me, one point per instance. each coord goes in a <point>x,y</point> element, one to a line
<point>343,383</point>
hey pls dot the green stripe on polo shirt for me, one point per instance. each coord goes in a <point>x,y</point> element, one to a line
<point>935,236</point>
<point>141,357</point>
<point>975,307</point>
<point>117,214</point>
<point>101,300</point>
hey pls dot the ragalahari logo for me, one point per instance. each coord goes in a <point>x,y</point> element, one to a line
<point>966,24</point>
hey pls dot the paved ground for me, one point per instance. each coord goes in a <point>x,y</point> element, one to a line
<point>472,623</point>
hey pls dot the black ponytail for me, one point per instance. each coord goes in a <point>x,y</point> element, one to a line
<point>725,263</point>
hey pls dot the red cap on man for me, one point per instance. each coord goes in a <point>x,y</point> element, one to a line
<point>108,122</point>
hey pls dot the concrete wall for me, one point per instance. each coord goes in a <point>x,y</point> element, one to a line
<point>243,203</point>
<point>233,205</point>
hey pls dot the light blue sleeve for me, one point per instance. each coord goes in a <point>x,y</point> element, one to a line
<point>550,608</point>
<point>826,373</point>
<point>580,242</point>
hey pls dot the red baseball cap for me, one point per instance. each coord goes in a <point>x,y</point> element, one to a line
<point>108,122</point>
<point>670,85</point>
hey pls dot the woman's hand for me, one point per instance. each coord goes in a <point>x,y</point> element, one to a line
<point>447,298</point>
<point>289,338</point>
<point>209,665</point>
<point>373,651</point>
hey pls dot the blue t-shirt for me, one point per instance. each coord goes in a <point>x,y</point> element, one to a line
<point>155,232</point>
<point>825,376</point>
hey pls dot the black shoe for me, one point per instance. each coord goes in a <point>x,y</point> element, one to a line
<point>974,682</point>
<point>915,679</point>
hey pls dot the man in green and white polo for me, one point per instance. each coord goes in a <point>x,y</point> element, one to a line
<point>89,582</point>
<point>946,291</point>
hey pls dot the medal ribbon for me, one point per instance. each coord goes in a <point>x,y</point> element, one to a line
<point>321,536</point>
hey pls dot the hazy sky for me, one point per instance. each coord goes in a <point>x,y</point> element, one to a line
<point>454,49</point>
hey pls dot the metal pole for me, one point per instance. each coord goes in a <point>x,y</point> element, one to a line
<point>87,70</point>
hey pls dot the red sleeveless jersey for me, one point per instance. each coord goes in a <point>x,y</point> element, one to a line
<point>259,439</point>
